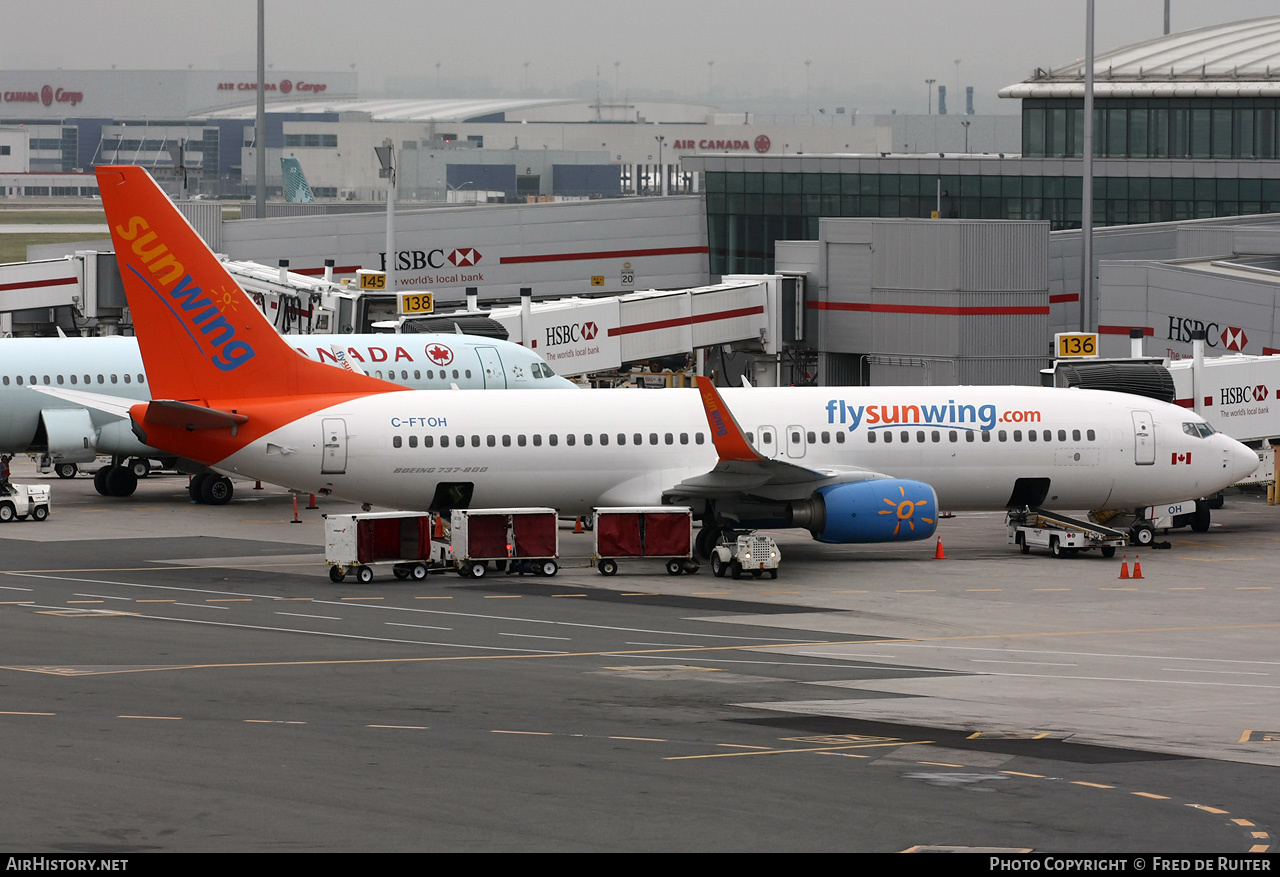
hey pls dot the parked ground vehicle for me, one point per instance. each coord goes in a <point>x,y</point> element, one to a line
<point>23,501</point>
<point>656,532</point>
<point>737,552</point>
<point>526,538</point>
<point>1036,528</point>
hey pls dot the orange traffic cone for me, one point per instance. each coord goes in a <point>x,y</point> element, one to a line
<point>438,532</point>
<point>938,553</point>
<point>1137,569</point>
<point>577,525</point>
<point>1124,567</point>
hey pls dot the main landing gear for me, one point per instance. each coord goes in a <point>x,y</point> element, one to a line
<point>209,488</point>
<point>119,479</point>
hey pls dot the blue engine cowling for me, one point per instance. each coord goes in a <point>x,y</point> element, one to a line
<point>889,510</point>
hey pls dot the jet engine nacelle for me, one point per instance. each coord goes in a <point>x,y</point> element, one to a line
<point>888,510</point>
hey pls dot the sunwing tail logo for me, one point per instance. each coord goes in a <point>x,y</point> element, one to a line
<point>201,314</point>
<point>952,415</point>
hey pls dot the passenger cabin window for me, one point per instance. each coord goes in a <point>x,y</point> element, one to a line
<point>1075,435</point>
<point>396,441</point>
<point>1089,434</point>
<point>871,438</point>
<point>840,438</point>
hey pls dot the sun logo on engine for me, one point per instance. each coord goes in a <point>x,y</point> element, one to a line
<point>905,509</point>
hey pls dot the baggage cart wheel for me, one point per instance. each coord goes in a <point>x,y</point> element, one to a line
<point>336,575</point>
<point>718,567</point>
<point>40,513</point>
<point>547,568</point>
<point>1055,547</point>
<point>65,470</point>
<point>690,566</point>
<point>607,567</point>
<point>1022,543</point>
<point>401,572</point>
<point>1108,551</point>
<point>674,568</point>
<point>476,569</point>
<point>364,575</point>
<point>418,572</point>
<point>7,512</point>
<point>1142,534</point>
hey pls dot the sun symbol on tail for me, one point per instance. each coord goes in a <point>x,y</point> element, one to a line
<point>905,510</point>
<point>228,300</point>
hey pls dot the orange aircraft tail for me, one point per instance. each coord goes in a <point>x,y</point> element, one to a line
<point>200,335</point>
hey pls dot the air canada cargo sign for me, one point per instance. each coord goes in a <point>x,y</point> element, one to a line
<point>46,95</point>
<point>571,340</point>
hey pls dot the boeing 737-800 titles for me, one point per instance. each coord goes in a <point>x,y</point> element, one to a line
<point>851,464</point>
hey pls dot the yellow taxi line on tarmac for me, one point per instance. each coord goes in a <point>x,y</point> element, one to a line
<point>612,653</point>
<point>794,751</point>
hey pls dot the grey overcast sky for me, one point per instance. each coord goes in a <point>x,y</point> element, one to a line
<point>873,56</point>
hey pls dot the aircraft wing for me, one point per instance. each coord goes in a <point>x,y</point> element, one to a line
<point>97,401</point>
<point>742,471</point>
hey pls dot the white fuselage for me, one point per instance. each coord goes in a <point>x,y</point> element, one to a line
<point>113,366</point>
<point>574,451</point>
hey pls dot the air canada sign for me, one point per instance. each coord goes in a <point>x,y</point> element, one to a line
<point>759,144</point>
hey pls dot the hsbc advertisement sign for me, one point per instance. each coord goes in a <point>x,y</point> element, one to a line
<point>457,266</point>
<point>571,340</point>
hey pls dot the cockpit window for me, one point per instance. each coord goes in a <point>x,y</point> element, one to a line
<point>1198,430</point>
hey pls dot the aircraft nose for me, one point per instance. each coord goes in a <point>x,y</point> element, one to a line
<point>1243,461</point>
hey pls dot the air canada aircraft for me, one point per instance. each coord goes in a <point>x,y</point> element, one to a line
<point>70,433</point>
<point>850,464</point>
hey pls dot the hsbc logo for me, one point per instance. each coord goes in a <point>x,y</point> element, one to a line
<point>417,260</point>
<point>1234,339</point>
<point>570,333</point>
<point>464,257</point>
<point>1240,395</point>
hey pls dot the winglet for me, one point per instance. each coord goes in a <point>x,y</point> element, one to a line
<point>727,435</point>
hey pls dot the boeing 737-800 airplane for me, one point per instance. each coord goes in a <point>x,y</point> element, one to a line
<point>851,464</point>
<point>70,433</point>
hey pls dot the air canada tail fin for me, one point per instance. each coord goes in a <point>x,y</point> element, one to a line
<point>200,335</point>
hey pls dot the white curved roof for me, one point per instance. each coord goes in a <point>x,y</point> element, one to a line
<point>396,110</point>
<point>1238,59</point>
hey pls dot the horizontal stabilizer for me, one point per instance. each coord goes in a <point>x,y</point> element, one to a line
<point>184,415</point>
<point>97,401</point>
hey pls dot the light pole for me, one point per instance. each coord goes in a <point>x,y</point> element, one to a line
<point>928,84</point>
<point>387,159</point>
<point>437,77</point>
<point>662,172</point>
<point>807,110</point>
<point>453,188</point>
<point>965,123</point>
<point>526,77</point>
<point>711,67</point>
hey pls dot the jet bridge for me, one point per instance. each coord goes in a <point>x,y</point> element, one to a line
<point>589,335</point>
<point>82,293</point>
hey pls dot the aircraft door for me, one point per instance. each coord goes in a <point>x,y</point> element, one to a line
<point>1144,439</point>
<point>335,446</point>
<point>795,441</point>
<point>768,446</point>
<point>495,378</point>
